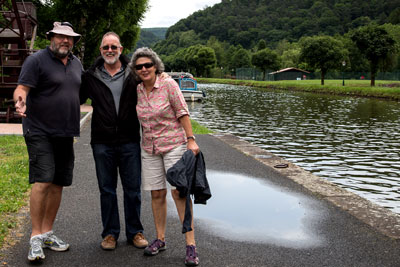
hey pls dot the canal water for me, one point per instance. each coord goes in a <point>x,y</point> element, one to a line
<point>352,142</point>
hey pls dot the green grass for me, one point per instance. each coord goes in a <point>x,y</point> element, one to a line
<point>199,129</point>
<point>383,89</point>
<point>13,181</point>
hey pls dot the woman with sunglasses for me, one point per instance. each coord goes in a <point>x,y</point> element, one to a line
<point>167,134</point>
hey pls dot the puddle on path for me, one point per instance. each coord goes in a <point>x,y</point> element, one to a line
<point>248,209</point>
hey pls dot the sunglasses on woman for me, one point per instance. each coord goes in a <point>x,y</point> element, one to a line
<point>146,65</point>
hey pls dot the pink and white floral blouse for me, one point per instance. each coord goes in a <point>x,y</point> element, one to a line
<point>158,114</point>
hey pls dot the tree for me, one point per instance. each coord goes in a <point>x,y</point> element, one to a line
<point>394,31</point>
<point>220,49</point>
<point>261,45</point>
<point>323,53</point>
<point>265,59</point>
<point>93,18</point>
<point>177,61</point>
<point>241,59</point>
<point>376,44</point>
<point>200,59</point>
<point>394,17</point>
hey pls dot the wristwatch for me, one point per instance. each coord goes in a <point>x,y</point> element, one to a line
<point>191,137</point>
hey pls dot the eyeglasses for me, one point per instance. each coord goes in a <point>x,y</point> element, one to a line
<point>113,47</point>
<point>146,65</point>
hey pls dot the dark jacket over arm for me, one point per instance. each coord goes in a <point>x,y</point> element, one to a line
<point>188,175</point>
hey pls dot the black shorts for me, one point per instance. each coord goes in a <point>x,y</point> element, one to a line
<point>51,159</point>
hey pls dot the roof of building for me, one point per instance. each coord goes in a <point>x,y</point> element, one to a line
<point>288,69</point>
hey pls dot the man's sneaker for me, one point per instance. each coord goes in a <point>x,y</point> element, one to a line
<point>139,241</point>
<point>155,247</point>
<point>36,250</point>
<point>191,256</point>
<point>109,243</point>
<point>53,242</point>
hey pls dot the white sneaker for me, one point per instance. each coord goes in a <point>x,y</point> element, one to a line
<point>53,242</point>
<point>36,250</point>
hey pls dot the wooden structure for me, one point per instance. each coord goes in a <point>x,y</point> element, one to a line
<point>290,74</point>
<point>18,25</point>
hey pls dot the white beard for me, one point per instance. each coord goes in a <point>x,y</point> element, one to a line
<point>111,61</point>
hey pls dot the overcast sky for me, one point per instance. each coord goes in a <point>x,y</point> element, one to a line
<point>165,13</point>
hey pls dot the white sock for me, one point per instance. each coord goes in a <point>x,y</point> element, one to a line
<point>47,234</point>
<point>40,236</point>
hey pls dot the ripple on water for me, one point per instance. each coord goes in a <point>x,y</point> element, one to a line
<point>316,132</point>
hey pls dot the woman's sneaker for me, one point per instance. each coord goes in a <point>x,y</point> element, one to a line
<point>53,242</point>
<point>155,247</point>
<point>191,256</point>
<point>36,250</point>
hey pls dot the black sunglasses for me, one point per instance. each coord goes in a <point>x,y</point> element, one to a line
<point>113,47</point>
<point>67,24</point>
<point>146,65</point>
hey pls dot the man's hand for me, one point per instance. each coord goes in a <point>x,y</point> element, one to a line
<point>20,94</point>
<point>20,106</point>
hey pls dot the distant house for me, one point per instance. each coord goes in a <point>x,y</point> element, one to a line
<point>290,74</point>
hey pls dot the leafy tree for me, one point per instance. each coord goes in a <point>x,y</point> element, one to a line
<point>323,53</point>
<point>394,31</point>
<point>290,58</point>
<point>394,17</point>
<point>177,62</point>
<point>376,44</point>
<point>93,18</point>
<point>265,59</point>
<point>200,59</point>
<point>188,38</point>
<point>220,49</point>
<point>241,59</point>
<point>261,45</point>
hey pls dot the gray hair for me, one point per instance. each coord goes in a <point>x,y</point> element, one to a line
<point>146,52</point>
<point>110,33</point>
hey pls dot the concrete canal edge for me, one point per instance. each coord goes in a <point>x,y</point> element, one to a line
<point>379,218</point>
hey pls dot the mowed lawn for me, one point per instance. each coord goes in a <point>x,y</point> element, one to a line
<point>13,181</point>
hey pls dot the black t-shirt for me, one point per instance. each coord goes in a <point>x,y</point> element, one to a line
<point>52,104</point>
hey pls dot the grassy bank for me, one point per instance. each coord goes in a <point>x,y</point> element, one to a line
<point>383,89</point>
<point>13,181</point>
<point>199,129</point>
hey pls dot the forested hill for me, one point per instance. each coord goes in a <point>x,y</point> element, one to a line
<point>245,22</point>
<point>150,36</point>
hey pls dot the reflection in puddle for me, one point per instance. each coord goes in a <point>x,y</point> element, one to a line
<point>245,209</point>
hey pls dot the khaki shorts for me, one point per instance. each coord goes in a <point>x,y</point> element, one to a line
<point>154,168</point>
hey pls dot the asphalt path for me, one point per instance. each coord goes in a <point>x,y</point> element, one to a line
<point>342,239</point>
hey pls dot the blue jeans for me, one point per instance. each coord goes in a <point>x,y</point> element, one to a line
<point>125,158</point>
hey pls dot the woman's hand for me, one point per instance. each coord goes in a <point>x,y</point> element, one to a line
<point>192,145</point>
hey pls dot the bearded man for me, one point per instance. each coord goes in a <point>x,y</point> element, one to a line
<point>115,140</point>
<point>47,97</point>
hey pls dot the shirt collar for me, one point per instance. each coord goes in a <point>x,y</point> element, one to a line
<point>157,83</point>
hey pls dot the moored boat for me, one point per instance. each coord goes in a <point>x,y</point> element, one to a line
<point>188,86</point>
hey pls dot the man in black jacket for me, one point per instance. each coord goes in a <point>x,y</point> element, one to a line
<point>115,140</point>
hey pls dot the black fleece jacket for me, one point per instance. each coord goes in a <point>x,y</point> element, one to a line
<point>107,126</point>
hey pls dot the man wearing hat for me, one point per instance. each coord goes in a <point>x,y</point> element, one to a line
<point>47,96</point>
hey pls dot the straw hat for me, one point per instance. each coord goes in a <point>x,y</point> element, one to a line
<point>64,28</point>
